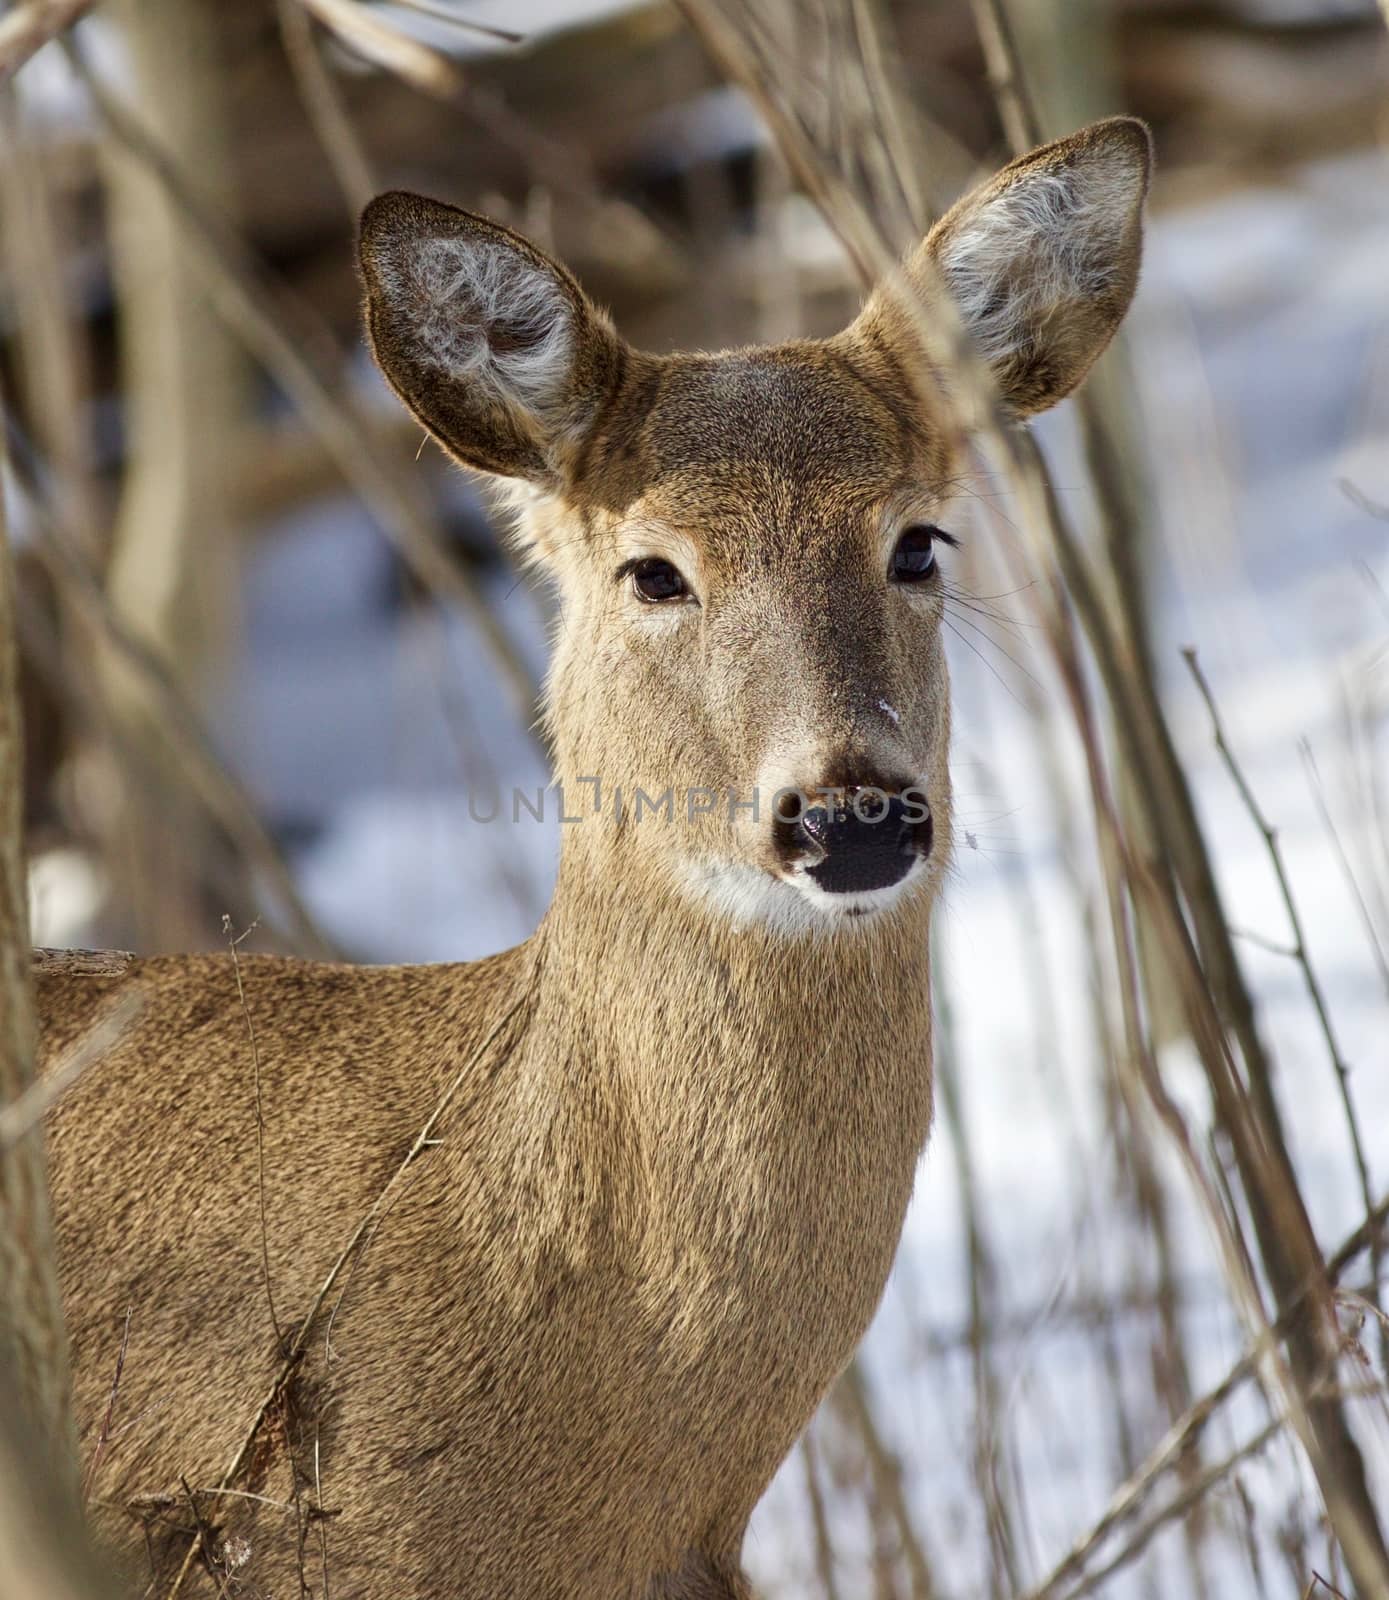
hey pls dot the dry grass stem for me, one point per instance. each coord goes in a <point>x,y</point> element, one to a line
<point>1182,1436</point>
<point>886,1473</point>
<point>1181,1505</point>
<point>1333,833</point>
<point>323,104</point>
<point>220,792</point>
<point>23,1115</point>
<point>31,24</point>
<point>364,32</point>
<point>445,13</point>
<point>1299,947</point>
<point>34,1361</point>
<point>819,1518</point>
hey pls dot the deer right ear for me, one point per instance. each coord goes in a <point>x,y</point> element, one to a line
<point>490,343</point>
<point>1041,262</point>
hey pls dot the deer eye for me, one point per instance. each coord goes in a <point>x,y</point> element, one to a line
<point>655,580</point>
<point>914,559</point>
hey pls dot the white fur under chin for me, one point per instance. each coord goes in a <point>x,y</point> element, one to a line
<point>751,898</point>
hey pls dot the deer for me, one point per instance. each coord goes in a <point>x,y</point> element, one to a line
<point>522,1277</point>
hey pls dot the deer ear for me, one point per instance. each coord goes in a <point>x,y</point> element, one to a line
<point>1043,260</point>
<point>490,343</point>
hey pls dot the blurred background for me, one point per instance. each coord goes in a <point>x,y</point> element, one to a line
<point>271,642</point>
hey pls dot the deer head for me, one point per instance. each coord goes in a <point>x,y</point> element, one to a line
<point>748,545</point>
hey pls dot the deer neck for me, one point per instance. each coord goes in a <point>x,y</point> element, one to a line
<point>685,1015</point>
<point>732,1116</point>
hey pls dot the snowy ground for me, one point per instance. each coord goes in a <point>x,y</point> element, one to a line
<point>1264,372</point>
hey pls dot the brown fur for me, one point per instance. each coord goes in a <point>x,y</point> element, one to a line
<point>595,1314</point>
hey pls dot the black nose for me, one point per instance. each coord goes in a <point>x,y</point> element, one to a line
<point>860,838</point>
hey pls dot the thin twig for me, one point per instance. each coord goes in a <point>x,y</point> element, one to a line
<point>247,1494</point>
<point>432,8</point>
<point>981,1277</point>
<point>819,1521</point>
<point>1343,860</point>
<point>1191,1496</point>
<point>297,1345</point>
<point>630,233</point>
<point>104,1433</point>
<point>233,944</point>
<point>886,1472</point>
<point>1309,976</point>
<point>203,1539</point>
<point>1274,948</point>
<point>1358,497</point>
<point>324,107</point>
<point>25,1113</point>
<point>1002,64</point>
<point>322,1517</point>
<point>365,33</point>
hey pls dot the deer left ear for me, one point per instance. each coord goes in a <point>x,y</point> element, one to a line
<point>1043,260</point>
<point>492,345</point>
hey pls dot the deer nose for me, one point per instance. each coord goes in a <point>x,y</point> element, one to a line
<point>856,838</point>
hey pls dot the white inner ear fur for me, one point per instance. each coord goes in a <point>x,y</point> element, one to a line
<point>1047,241</point>
<point>488,317</point>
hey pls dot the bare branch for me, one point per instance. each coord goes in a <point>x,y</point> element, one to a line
<point>851,1394</point>
<point>1179,1506</point>
<point>108,1416</point>
<point>288,339</point>
<point>324,107</point>
<point>27,27</point>
<point>1357,495</point>
<point>1381,957</point>
<point>219,791</point>
<point>434,8</point>
<point>364,32</point>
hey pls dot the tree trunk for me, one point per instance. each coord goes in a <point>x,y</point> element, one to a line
<point>33,1346</point>
<point>44,1552</point>
<point>172,572</point>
